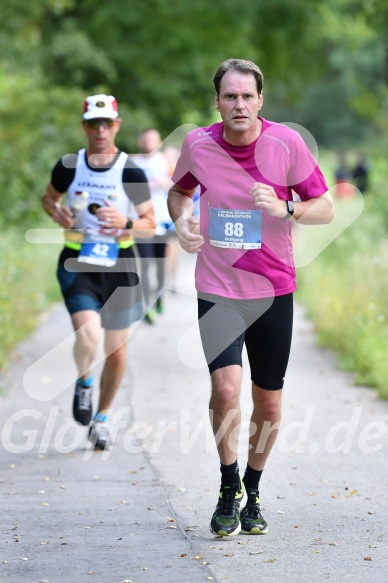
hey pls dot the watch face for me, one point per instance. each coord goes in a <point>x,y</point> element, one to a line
<point>290,207</point>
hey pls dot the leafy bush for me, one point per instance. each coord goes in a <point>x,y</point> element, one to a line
<point>28,287</point>
<point>345,291</point>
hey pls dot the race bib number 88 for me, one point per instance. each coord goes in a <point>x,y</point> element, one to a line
<point>235,229</point>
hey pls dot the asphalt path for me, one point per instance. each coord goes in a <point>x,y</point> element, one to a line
<point>141,511</point>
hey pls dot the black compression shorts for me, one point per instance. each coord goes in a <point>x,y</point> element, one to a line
<point>152,248</point>
<point>264,325</point>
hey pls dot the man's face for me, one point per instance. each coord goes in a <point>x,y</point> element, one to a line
<point>149,141</point>
<point>101,133</point>
<point>238,102</point>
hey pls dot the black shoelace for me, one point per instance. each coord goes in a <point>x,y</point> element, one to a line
<point>253,508</point>
<point>228,495</point>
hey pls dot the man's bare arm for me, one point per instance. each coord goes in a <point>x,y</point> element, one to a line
<point>180,207</point>
<point>51,202</point>
<point>315,211</point>
<point>145,225</point>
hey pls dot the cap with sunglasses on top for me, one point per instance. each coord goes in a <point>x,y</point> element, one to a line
<point>100,106</point>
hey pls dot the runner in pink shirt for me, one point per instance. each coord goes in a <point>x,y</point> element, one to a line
<point>247,169</point>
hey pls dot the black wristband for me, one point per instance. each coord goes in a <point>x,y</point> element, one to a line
<point>290,210</point>
<point>129,224</point>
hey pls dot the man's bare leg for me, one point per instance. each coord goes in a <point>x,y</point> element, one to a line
<point>266,417</point>
<point>87,326</point>
<point>114,368</point>
<point>265,422</point>
<point>225,415</point>
<point>115,346</point>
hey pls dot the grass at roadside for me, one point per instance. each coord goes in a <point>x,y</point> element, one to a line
<point>28,287</point>
<point>345,291</point>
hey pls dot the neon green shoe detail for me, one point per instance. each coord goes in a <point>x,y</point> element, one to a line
<point>150,316</point>
<point>226,517</point>
<point>252,521</point>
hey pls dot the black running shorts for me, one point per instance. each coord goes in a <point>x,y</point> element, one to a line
<point>114,292</point>
<point>264,325</point>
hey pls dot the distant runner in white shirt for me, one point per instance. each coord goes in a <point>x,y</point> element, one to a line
<point>157,171</point>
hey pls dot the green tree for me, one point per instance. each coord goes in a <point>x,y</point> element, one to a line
<point>325,64</point>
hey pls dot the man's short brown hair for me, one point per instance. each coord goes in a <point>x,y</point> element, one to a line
<point>241,66</point>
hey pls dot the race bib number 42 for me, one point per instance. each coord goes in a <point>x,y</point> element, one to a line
<point>235,229</point>
<point>101,251</point>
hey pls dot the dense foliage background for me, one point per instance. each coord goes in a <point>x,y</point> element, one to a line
<point>325,64</point>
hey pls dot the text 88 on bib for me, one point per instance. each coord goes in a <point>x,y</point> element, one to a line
<point>235,229</point>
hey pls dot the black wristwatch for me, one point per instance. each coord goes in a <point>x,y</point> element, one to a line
<point>129,224</point>
<point>290,210</point>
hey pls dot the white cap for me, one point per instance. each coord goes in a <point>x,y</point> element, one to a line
<point>104,106</point>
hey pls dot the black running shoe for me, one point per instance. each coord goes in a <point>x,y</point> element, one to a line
<point>82,404</point>
<point>99,435</point>
<point>226,518</point>
<point>252,521</point>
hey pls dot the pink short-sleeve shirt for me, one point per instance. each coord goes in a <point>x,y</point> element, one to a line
<point>247,254</point>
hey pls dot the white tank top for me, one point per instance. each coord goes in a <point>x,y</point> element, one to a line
<point>90,189</point>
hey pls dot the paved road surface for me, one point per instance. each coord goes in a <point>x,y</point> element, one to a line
<point>140,512</point>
